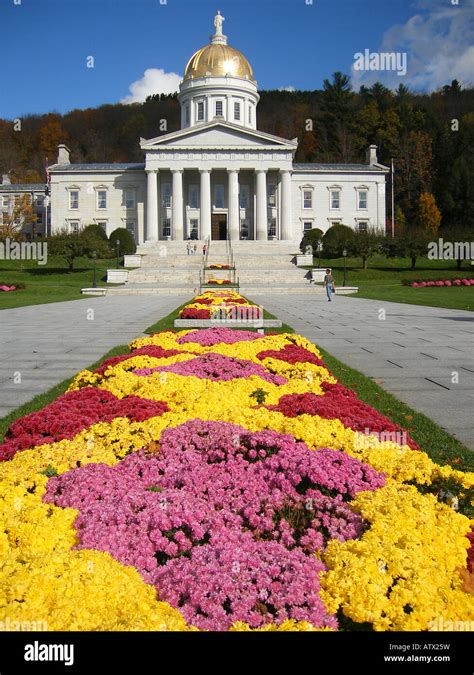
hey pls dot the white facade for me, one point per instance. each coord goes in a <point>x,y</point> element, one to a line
<point>218,176</point>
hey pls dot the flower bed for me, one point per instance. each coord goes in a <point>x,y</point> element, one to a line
<point>223,480</point>
<point>4,288</point>
<point>440,283</point>
<point>214,303</point>
<point>217,266</point>
<point>218,282</point>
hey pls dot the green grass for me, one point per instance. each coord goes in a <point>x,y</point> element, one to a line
<point>437,443</point>
<point>49,283</point>
<point>383,280</point>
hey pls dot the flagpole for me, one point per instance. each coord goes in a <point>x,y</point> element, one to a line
<point>393,200</point>
<point>46,199</point>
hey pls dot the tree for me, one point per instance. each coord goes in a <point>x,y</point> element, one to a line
<point>51,134</point>
<point>70,246</point>
<point>127,242</point>
<point>366,243</point>
<point>20,214</point>
<point>412,244</point>
<point>336,239</point>
<point>311,239</point>
<point>428,215</point>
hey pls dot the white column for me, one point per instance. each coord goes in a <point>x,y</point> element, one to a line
<point>234,206</point>
<point>286,231</point>
<point>205,204</point>
<point>177,206</point>
<point>262,206</point>
<point>152,206</point>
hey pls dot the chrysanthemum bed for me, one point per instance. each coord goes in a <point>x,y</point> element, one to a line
<point>222,480</point>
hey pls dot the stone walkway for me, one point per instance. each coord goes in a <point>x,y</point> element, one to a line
<point>42,345</point>
<point>416,353</point>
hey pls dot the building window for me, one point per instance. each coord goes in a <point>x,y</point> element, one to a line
<point>363,225</point>
<point>307,225</point>
<point>39,201</point>
<point>74,199</point>
<point>237,111</point>
<point>219,109</point>
<point>334,222</point>
<point>250,114</point>
<point>129,199</point>
<point>200,111</point>
<point>335,199</point>
<point>193,197</point>
<point>103,225</point>
<point>74,226</point>
<point>166,227</point>
<point>244,196</point>
<point>272,227</point>
<point>307,199</point>
<point>193,228</point>
<point>130,226</point>
<point>102,199</point>
<point>187,113</point>
<point>6,201</point>
<point>244,229</point>
<point>362,199</point>
<point>167,195</point>
<point>219,196</point>
<point>271,195</point>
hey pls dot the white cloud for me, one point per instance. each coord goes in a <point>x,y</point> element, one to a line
<point>439,43</point>
<point>154,81</point>
<point>288,88</point>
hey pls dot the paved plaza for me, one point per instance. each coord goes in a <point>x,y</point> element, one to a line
<point>45,344</point>
<point>416,353</point>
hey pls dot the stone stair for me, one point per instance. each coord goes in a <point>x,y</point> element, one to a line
<point>262,267</point>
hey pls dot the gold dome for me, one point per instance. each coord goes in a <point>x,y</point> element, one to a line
<point>218,60</point>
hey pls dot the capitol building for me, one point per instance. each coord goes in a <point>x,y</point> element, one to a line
<point>219,176</point>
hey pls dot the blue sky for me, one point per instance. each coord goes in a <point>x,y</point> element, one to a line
<point>46,43</point>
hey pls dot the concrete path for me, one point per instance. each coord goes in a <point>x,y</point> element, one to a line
<point>422,355</point>
<point>42,345</point>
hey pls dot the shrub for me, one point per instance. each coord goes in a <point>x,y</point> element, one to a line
<point>336,239</point>
<point>311,238</point>
<point>127,242</point>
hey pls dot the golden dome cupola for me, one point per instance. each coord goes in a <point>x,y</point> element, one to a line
<point>218,84</point>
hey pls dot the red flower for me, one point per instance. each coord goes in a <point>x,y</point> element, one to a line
<point>341,403</point>
<point>70,414</point>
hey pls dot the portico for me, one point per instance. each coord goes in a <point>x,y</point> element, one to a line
<point>254,203</point>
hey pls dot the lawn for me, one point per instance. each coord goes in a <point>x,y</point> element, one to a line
<point>49,283</point>
<point>383,280</point>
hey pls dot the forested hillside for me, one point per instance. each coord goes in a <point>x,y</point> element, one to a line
<point>430,137</point>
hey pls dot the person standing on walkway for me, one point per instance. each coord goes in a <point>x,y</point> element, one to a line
<point>195,249</point>
<point>204,249</point>
<point>188,248</point>
<point>329,284</point>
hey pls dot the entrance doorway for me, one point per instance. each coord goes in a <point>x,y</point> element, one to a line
<point>219,226</point>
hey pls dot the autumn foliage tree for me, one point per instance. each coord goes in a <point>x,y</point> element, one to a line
<point>428,214</point>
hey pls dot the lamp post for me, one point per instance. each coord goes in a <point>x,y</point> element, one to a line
<point>94,259</point>
<point>344,253</point>
<point>118,253</point>
<point>320,248</point>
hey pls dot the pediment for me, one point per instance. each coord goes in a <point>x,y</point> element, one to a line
<point>218,135</point>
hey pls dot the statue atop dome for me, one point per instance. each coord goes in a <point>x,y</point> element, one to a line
<point>218,21</point>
